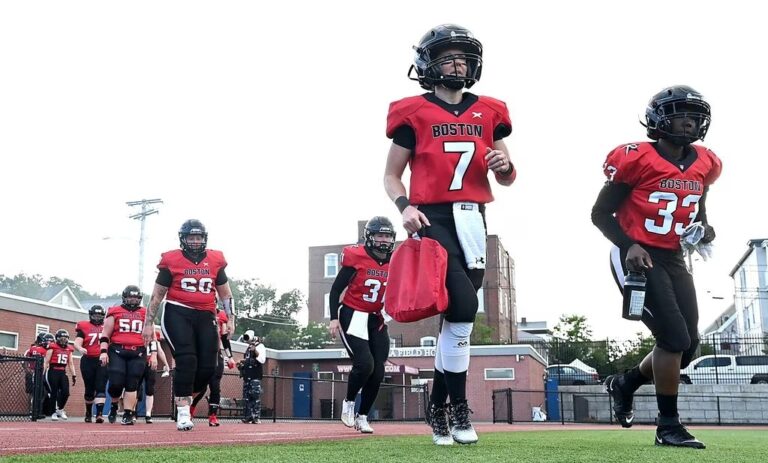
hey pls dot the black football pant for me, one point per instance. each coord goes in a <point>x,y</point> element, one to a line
<point>126,369</point>
<point>194,340</point>
<point>94,378</point>
<point>58,385</point>
<point>461,282</point>
<point>671,310</point>
<point>368,357</point>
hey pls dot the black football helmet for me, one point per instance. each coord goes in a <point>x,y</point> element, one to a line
<point>441,38</point>
<point>47,340</point>
<point>193,227</point>
<point>43,338</point>
<point>379,224</point>
<point>62,337</point>
<point>132,294</point>
<point>96,314</point>
<point>679,101</point>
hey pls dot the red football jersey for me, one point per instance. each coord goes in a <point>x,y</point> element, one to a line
<point>34,351</point>
<point>365,291</point>
<point>61,356</point>
<point>193,285</point>
<point>91,333</point>
<point>448,162</point>
<point>222,319</point>
<point>128,325</point>
<point>665,195</point>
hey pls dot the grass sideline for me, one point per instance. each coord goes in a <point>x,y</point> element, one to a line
<point>636,446</point>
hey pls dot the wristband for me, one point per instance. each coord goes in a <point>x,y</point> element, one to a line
<point>402,202</point>
<point>103,351</point>
<point>104,339</point>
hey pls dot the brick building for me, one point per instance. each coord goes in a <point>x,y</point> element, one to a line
<point>497,310</point>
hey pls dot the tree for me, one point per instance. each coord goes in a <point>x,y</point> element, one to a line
<point>280,338</point>
<point>481,332</point>
<point>269,316</point>
<point>35,285</point>
<point>573,328</point>
<point>313,336</point>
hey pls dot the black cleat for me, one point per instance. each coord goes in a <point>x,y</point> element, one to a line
<point>99,419</point>
<point>671,432</point>
<point>127,418</point>
<point>88,419</point>
<point>112,417</point>
<point>622,402</point>
<point>148,419</point>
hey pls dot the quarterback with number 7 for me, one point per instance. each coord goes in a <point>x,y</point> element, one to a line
<point>654,192</point>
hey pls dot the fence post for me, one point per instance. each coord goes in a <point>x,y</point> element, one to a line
<point>509,406</point>
<point>274,399</point>
<point>562,410</point>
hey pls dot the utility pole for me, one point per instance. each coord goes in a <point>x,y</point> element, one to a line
<point>141,216</point>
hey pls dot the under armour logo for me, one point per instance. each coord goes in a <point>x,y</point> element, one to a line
<point>456,113</point>
<point>205,264</point>
<point>476,115</point>
<point>630,147</point>
<point>479,260</point>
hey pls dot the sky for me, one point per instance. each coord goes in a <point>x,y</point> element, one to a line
<point>267,124</point>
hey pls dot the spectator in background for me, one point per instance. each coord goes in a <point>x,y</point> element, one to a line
<point>252,370</point>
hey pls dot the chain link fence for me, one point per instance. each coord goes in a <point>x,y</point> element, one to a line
<point>21,380</point>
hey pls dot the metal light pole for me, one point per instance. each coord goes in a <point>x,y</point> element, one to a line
<point>141,217</point>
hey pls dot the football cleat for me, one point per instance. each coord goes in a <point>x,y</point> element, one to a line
<point>462,430</point>
<point>213,421</point>
<point>184,420</point>
<point>361,424</point>
<point>672,433</point>
<point>622,402</point>
<point>438,419</point>
<point>348,413</point>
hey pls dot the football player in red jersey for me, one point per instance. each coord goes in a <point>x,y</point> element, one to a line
<point>655,190</point>
<point>450,139</point>
<point>214,384</point>
<point>57,359</point>
<point>358,319</point>
<point>87,335</point>
<point>37,351</point>
<point>191,279</point>
<point>123,349</point>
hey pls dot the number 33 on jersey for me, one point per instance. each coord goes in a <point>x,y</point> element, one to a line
<point>665,194</point>
<point>365,291</point>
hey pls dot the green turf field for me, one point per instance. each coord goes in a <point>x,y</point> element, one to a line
<point>728,445</point>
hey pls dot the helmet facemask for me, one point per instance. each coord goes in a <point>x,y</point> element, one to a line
<point>96,315</point>
<point>132,297</point>
<point>429,65</point>
<point>668,112</point>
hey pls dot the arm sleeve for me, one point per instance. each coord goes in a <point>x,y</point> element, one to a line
<point>164,278</point>
<point>226,345</point>
<point>342,281</point>
<point>405,137</point>
<point>608,201</point>
<point>221,277</point>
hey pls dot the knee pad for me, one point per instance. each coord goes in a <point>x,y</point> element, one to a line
<point>679,343</point>
<point>132,384</point>
<point>115,390</point>
<point>689,353</point>
<point>454,346</point>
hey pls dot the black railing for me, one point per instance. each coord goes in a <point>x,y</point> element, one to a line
<point>719,359</point>
<point>304,398</point>
<point>21,383</point>
<point>591,405</point>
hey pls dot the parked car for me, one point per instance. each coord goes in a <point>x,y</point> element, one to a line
<point>726,369</point>
<point>568,375</point>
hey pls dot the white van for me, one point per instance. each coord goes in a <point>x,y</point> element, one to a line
<point>726,369</point>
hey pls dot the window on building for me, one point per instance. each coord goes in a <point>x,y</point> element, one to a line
<point>327,305</point>
<point>743,278</point>
<point>481,300</point>
<point>392,343</point>
<point>9,340</point>
<point>325,375</point>
<point>499,374</point>
<point>331,265</point>
<point>42,329</point>
<point>428,341</point>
